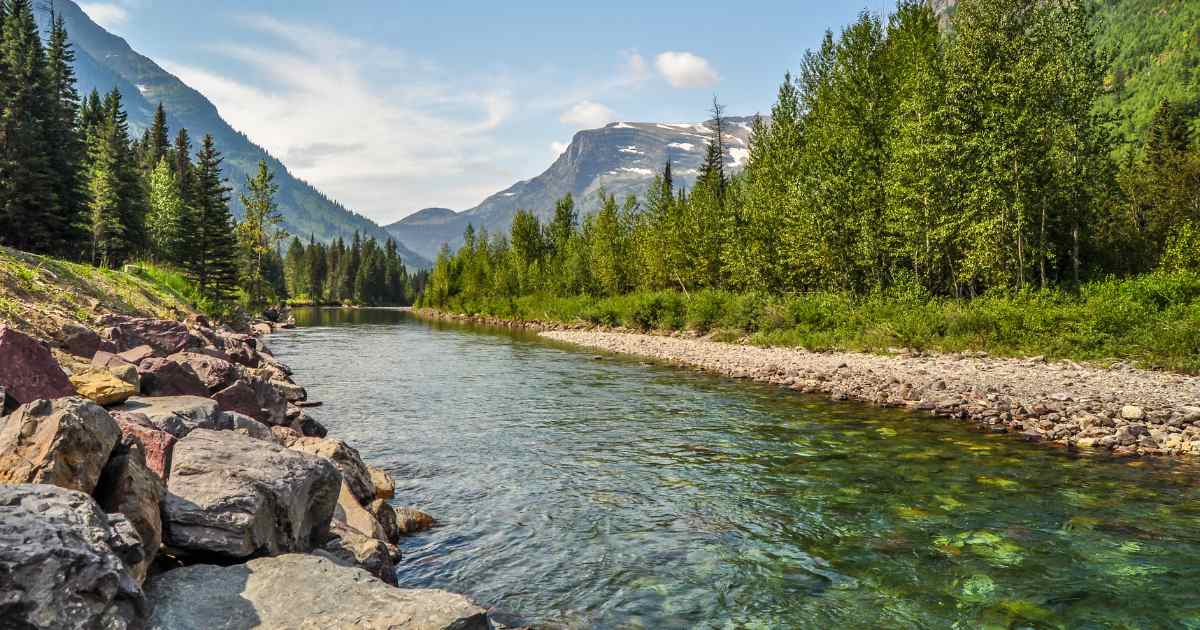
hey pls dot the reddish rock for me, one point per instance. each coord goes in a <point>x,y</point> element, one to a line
<point>164,377</point>
<point>28,371</point>
<point>80,341</point>
<point>107,361</point>
<point>166,337</point>
<point>156,445</point>
<point>216,374</point>
<point>137,355</point>
<point>240,397</point>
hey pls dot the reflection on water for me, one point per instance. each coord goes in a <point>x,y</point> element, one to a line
<point>614,494</point>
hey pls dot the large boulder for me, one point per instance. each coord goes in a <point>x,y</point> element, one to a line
<point>28,371</point>
<point>155,444</point>
<point>385,515</point>
<point>63,442</point>
<point>255,397</point>
<point>291,391</point>
<point>300,591</point>
<point>385,485</point>
<point>214,373</point>
<point>79,340</point>
<point>122,369</point>
<point>354,472</point>
<point>308,426</point>
<point>352,548</point>
<point>103,387</point>
<point>232,496</point>
<point>61,564</point>
<point>177,415</point>
<point>234,421</point>
<point>166,337</point>
<point>128,487</point>
<point>164,377</point>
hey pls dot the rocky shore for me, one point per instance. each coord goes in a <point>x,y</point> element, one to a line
<point>1120,409</point>
<point>167,474</point>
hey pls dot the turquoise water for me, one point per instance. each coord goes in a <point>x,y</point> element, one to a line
<point>610,493</point>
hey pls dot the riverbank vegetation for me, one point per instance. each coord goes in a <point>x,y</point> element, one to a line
<point>79,186</point>
<point>950,189</point>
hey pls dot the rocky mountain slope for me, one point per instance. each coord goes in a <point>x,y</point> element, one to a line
<point>105,61</point>
<point>620,159</point>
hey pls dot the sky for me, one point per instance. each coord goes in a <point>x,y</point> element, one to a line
<point>394,106</point>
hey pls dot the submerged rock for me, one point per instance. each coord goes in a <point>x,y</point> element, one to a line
<point>61,564</point>
<point>233,496</point>
<point>28,371</point>
<point>410,520</point>
<point>300,591</point>
<point>63,443</point>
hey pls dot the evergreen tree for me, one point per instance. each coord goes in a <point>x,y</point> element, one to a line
<point>182,152</point>
<point>131,190</point>
<point>156,143</point>
<point>65,142</point>
<point>318,269</point>
<point>259,233</point>
<point>295,266</point>
<point>210,257</point>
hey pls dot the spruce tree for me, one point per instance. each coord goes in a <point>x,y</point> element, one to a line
<point>318,269</point>
<point>131,189</point>
<point>66,143</point>
<point>211,252</point>
<point>156,143</point>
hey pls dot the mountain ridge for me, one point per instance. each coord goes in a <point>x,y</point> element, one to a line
<point>105,60</point>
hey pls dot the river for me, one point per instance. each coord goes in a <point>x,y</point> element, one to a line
<point>602,492</point>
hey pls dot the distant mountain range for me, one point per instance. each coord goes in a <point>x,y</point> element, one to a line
<point>620,159</point>
<point>104,61</point>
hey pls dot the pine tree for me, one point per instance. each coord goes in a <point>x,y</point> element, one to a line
<point>104,200</point>
<point>29,207</point>
<point>318,269</point>
<point>65,142</point>
<point>258,233</point>
<point>182,152</point>
<point>295,266</point>
<point>155,143</point>
<point>211,253</point>
<point>131,189</point>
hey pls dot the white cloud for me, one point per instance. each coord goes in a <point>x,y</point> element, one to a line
<point>685,70</point>
<point>106,14</point>
<point>588,115</point>
<point>558,148</point>
<point>336,111</point>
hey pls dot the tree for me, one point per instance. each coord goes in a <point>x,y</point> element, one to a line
<point>318,270</point>
<point>131,191</point>
<point>259,233</point>
<point>67,149</point>
<point>210,257</point>
<point>164,222</point>
<point>156,143</point>
<point>295,268</point>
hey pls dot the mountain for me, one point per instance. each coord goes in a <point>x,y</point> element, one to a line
<point>621,159</point>
<point>104,61</point>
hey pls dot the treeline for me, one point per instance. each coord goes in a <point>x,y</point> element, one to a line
<point>362,273</point>
<point>901,159</point>
<point>74,184</point>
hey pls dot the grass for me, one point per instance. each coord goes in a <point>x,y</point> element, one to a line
<point>1152,321</point>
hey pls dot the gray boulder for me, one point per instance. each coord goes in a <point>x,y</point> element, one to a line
<point>61,564</point>
<point>255,397</point>
<point>177,415</point>
<point>234,421</point>
<point>130,488</point>
<point>165,336</point>
<point>352,548</point>
<point>214,372</point>
<point>63,443</point>
<point>233,496</point>
<point>79,340</point>
<point>300,591</point>
<point>348,461</point>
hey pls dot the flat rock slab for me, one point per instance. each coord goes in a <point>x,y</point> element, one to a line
<point>233,496</point>
<point>302,592</point>
<point>59,564</point>
<point>28,371</point>
<point>177,415</point>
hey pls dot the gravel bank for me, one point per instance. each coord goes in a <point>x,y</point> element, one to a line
<point>1122,409</point>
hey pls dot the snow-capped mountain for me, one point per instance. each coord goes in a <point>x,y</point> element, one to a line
<point>620,159</point>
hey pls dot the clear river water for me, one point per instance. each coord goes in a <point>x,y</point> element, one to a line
<point>583,492</point>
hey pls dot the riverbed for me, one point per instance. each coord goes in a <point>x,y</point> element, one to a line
<point>604,492</point>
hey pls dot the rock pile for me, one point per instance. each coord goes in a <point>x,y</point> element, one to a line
<point>137,457</point>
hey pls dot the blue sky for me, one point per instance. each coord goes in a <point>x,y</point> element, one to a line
<point>391,107</point>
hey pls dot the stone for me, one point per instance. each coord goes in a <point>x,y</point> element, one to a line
<point>256,398</point>
<point>127,543</point>
<point>63,443</point>
<point>352,514</point>
<point>79,340</point>
<point>232,496</point>
<point>385,485</point>
<point>127,486</point>
<point>177,415</point>
<point>1131,412</point>
<point>410,521</point>
<point>348,462</point>
<point>214,373</point>
<point>285,436</point>
<point>58,565</point>
<point>28,371</point>
<point>156,445</point>
<point>385,515</point>
<point>136,355</point>
<point>102,387</point>
<point>261,328</point>
<point>352,548</point>
<point>164,377</point>
<point>309,426</point>
<point>234,421</point>
<point>165,337</point>
<point>300,591</point>
<point>291,392</point>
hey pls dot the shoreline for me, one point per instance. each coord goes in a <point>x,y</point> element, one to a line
<point>1122,410</point>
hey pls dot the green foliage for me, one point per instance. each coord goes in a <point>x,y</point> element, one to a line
<point>258,236</point>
